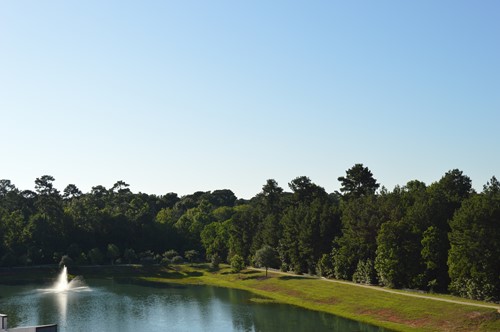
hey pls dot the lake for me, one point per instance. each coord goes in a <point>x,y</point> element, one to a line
<point>111,306</point>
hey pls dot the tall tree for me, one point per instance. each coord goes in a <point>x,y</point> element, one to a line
<point>270,197</point>
<point>242,230</point>
<point>270,209</point>
<point>266,257</point>
<point>44,186</point>
<point>308,231</point>
<point>358,182</point>
<point>361,220</point>
<point>71,191</point>
<point>474,256</point>
<point>305,191</point>
<point>398,255</point>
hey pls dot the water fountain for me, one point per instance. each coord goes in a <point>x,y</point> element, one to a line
<point>61,289</point>
<point>63,285</point>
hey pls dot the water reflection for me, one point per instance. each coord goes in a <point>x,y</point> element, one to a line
<point>112,306</point>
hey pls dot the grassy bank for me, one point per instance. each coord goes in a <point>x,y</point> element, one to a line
<point>393,311</point>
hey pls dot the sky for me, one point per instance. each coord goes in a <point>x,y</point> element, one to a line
<point>182,96</point>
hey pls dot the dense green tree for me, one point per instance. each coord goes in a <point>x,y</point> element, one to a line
<point>215,239</point>
<point>305,191</point>
<point>364,273</point>
<point>222,197</point>
<point>44,186</point>
<point>237,263</point>
<point>266,257</point>
<point>71,191</point>
<point>270,197</point>
<point>415,236</point>
<point>358,182</point>
<point>223,213</point>
<point>492,187</point>
<point>10,197</point>
<point>308,230</point>
<point>14,232</point>
<point>456,186</point>
<point>242,230</point>
<point>324,267</point>
<point>434,253</point>
<point>361,220</point>
<point>120,187</point>
<point>474,256</point>
<point>191,224</point>
<point>6,186</point>
<point>398,255</point>
<point>270,208</point>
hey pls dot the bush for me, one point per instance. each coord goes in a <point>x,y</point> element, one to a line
<point>365,273</point>
<point>177,260</point>
<point>237,263</point>
<point>341,266</point>
<point>165,262</point>
<point>191,255</point>
<point>325,266</point>
<point>478,288</point>
<point>170,254</point>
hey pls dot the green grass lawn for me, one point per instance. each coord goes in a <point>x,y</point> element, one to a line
<point>393,311</point>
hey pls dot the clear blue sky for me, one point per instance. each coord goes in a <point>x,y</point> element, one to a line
<point>180,96</point>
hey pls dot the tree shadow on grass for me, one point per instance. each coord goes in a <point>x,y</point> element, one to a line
<point>257,277</point>
<point>204,266</point>
<point>294,278</point>
<point>182,275</point>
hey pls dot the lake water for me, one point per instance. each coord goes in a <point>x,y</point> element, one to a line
<point>109,306</point>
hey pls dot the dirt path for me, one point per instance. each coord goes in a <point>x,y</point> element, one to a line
<point>381,289</point>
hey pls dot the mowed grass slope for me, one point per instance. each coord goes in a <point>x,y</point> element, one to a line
<point>393,311</point>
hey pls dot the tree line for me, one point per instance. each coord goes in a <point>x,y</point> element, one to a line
<point>442,237</point>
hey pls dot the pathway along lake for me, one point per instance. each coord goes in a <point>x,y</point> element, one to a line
<point>110,306</point>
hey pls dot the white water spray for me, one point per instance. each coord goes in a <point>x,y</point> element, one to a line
<point>62,283</point>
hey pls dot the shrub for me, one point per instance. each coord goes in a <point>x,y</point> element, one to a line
<point>237,263</point>
<point>177,260</point>
<point>191,255</point>
<point>325,266</point>
<point>170,254</point>
<point>365,273</point>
